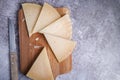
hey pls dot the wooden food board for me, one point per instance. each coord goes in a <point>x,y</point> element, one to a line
<point>30,48</point>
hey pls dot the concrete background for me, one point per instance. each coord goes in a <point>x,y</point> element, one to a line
<point>96,28</point>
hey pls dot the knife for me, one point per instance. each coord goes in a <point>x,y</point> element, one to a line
<point>12,51</point>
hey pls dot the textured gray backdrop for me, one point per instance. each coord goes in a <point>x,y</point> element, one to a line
<point>96,28</point>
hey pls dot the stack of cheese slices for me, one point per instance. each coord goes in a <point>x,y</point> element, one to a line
<point>57,30</point>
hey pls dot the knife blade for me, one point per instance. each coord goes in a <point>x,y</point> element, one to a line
<point>12,51</point>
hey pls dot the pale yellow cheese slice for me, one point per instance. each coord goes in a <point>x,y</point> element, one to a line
<point>61,47</point>
<point>31,12</point>
<point>61,27</point>
<point>63,11</point>
<point>48,15</point>
<point>41,69</point>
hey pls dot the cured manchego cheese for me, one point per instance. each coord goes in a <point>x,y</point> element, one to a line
<point>63,11</point>
<point>41,69</point>
<point>31,12</point>
<point>48,15</point>
<point>61,47</point>
<point>61,27</point>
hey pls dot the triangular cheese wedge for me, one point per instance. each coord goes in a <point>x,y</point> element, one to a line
<point>41,69</point>
<point>31,12</point>
<point>63,11</point>
<point>61,47</point>
<point>61,27</point>
<point>48,15</point>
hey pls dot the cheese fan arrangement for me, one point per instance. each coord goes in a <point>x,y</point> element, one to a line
<point>56,27</point>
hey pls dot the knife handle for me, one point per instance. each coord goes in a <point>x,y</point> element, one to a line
<point>13,65</point>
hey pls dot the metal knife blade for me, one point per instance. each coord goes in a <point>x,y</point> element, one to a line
<point>12,50</point>
<point>11,36</point>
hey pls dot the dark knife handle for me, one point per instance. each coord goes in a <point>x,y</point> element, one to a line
<point>13,65</point>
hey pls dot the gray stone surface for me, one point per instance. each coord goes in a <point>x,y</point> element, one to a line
<point>96,28</point>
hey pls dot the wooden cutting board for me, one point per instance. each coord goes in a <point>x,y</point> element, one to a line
<point>31,47</point>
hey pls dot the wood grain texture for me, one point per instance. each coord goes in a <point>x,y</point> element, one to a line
<point>14,67</point>
<point>30,48</point>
